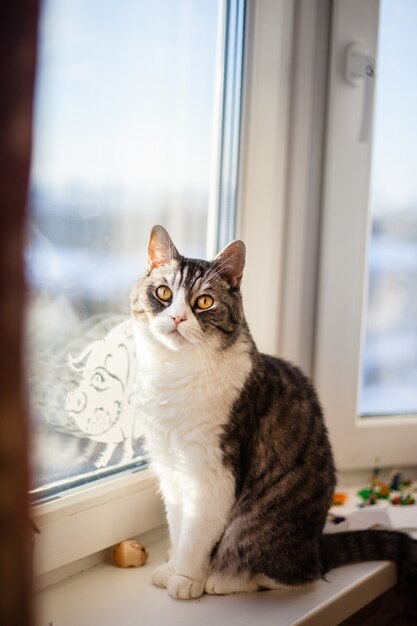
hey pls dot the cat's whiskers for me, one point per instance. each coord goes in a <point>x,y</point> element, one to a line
<point>220,267</point>
<point>215,346</point>
<point>210,348</point>
<point>194,336</point>
<point>205,351</point>
<point>207,344</point>
<point>216,271</point>
<point>207,361</point>
<point>204,363</point>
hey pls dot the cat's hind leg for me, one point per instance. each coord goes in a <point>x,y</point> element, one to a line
<point>221,584</point>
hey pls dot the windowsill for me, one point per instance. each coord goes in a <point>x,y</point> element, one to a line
<point>107,595</point>
<point>84,522</point>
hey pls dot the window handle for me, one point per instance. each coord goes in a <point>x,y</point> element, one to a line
<point>360,72</point>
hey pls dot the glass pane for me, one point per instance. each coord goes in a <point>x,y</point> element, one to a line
<point>123,139</point>
<point>390,355</point>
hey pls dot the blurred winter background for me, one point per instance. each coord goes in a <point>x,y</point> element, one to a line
<point>123,139</point>
<point>389,384</point>
<point>123,134</point>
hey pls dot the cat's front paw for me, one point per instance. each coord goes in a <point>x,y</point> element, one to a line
<point>162,574</point>
<point>184,588</point>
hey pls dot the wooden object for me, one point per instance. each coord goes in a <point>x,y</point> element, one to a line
<point>130,554</point>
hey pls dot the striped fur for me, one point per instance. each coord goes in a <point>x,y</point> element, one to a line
<point>237,439</point>
<point>373,545</point>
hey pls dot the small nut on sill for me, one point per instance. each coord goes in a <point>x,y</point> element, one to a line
<point>130,554</point>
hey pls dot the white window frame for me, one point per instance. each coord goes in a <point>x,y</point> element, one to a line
<point>279,197</point>
<point>76,526</point>
<point>281,172</point>
<point>343,264</point>
<point>85,521</point>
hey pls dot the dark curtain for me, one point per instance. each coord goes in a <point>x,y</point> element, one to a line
<point>18,33</point>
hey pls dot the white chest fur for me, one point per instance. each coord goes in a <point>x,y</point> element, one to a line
<point>185,397</point>
<point>184,400</point>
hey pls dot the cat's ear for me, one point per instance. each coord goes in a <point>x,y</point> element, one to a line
<point>161,250</point>
<point>231,261</point>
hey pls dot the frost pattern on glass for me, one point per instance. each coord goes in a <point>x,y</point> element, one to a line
<point>123,139</point>
<point>82,398</point>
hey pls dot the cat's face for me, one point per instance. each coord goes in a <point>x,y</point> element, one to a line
<point>186,302</point>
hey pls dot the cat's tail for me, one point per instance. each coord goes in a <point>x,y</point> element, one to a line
<point>344,548</point>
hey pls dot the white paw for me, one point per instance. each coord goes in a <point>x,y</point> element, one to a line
<point>162,574</point>
<point>218,585</point>
<point>184,588</point>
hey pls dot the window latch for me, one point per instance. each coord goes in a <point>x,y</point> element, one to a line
<point>360,71</point>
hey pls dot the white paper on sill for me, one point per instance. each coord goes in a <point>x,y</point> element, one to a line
<point>380,515</point>
<point>383,515</point>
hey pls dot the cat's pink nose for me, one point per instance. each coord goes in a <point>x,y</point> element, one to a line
<point>179,318</point>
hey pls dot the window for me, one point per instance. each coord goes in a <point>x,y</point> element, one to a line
<point>389,364</point>
<point>136,123</point>
<point>365,363</point>
<point>304,146</point>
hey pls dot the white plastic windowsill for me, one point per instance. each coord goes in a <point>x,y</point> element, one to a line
<point>107,595</point>
<point>82,523</point>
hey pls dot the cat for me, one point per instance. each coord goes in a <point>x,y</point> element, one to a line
<point>236,438</point>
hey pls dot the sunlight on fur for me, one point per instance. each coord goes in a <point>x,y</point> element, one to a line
<point>236,438</point>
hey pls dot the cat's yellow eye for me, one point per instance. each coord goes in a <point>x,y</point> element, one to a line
<point>164,293</point>
<point>204,302</point>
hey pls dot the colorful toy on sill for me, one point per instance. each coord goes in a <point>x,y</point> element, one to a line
<point>397,481</point>
<point>404,498</point>
<point>130,553</point>
<point>339,498</point>
<point>369,496</point>
<point>378,489</point>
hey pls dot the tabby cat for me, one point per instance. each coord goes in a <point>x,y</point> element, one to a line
<point>236,438</point>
